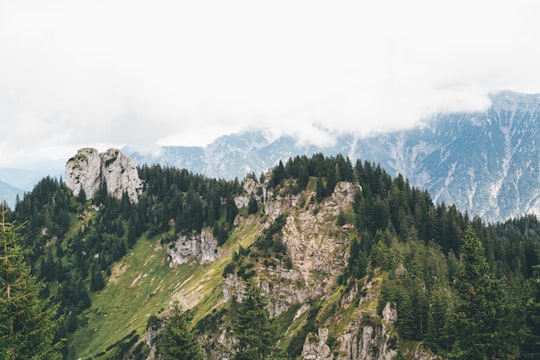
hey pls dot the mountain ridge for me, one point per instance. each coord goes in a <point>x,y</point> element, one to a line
<point>353,264</point>
<point>484,162</point>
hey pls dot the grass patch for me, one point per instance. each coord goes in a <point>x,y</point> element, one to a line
<point>142,284</point>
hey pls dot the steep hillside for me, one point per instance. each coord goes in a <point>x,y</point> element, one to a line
<point>484,163</point>
<point>318,259</point>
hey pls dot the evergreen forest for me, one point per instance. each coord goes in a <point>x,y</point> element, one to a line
<point>461,288</point>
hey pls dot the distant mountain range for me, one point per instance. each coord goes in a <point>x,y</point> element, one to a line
<point>9,193</point>
<point>15,182</point>
<point>487,163</point>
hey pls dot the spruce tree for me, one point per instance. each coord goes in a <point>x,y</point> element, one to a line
<point>253,327</point>
<point>480,322</point>
<point>253,206</point>
<point>28,323</point>
<point>531,341</point>
<point>177,340</point>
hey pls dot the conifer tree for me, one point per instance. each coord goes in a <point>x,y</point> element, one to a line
<point>321,189</point>
<point>531,347</point>
<point>28,324</point>
<point>480,322</point>
<point>253,327</point>
<point>253,206</point>
<point>178,341</point>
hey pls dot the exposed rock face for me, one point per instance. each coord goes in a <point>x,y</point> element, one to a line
<point>202,246</point>
<point>315,347</point>
<point>251,188</point>
<point>88,169</point>
<point>233,287</point>
<point>120,174</point>
<point>316,245</point>
<point>83,172</point>
<point>373,341</point>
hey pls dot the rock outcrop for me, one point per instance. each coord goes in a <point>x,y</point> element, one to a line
<point>373,339</point>
<point>83,172</point>
<point>89,169</point>
<point>202,246</point>
<point>315,347</point>
<point>316,246</point>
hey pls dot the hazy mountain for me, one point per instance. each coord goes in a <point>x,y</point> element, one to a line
<point>15,182</point>
<point>9,193</point>
<point>486,163</point>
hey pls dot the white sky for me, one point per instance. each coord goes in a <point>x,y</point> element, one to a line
<point>116,72</point>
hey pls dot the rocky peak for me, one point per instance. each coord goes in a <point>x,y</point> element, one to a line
<point>89,169</point>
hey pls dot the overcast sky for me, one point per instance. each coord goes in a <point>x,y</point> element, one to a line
<point>116,72</point>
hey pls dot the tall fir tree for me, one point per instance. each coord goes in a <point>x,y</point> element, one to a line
<point>28,323</point>
<point>253,328</point>
<point>177,340</point>
<point>480,322</point>
<point>531,340</point>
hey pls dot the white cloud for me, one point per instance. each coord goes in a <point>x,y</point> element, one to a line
<point>137,72</point>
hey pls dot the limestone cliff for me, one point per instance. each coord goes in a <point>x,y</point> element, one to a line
<point>201,246</point>
<point>83,172</point>
<point>89,169</point>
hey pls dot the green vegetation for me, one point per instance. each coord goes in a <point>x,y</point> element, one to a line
<point>177,340</point>
<point>252,325</point>
<point>454,281</point>
<point>28,324</point>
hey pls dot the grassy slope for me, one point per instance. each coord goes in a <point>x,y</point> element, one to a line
<point>142,284</point>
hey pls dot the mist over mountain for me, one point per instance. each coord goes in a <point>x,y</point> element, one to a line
<point>487,163</point>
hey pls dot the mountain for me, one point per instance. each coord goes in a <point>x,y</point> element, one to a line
<point>318,259</point>
<point>15,182</point>
<point>9,193</point>
<point>486,163</point>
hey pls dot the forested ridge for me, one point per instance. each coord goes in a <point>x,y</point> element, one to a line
<point>462,288</point>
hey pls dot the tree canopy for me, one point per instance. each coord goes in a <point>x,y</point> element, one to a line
<point>28,323</point>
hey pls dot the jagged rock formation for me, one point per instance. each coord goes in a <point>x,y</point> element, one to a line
<point>83,172</point>
<point>315,244</point>
<point>315,347</point>
<point>370,341</point>
<point>89,169</point>
<point>202,246</point>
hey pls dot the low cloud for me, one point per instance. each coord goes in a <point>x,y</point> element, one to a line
<point>132,72</point>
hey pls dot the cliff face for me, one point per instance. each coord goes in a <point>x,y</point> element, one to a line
<point>89,169</point>
<point>83,172</point>
<point>203,247</point>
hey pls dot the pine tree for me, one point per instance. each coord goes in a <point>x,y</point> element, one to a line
<point>28,324</point>
<point>253,206</point>
<point>178,341</point>
<point>480,322</point>
<point>253,327</point>
<point>531,347</point>
<point>321,189</point>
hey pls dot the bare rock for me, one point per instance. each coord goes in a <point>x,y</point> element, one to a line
<point>88,170</point>
<point>315,347</point>
<point>202,246</point>
<point>120,174</point>
<point>83,172</point>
